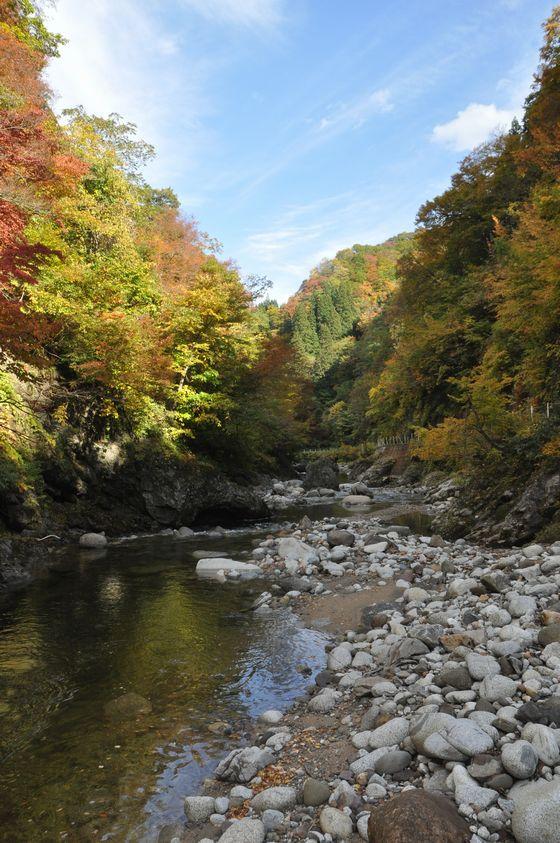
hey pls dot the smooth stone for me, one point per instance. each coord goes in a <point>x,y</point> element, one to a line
<point>390,733</point>
<point>469,738</point>
<point>494,688</point>
<point>274,798</point>
<point>244,831</point>
<point>481,666</point>
<point>544,741</point>
<point>457,677</point>
<point>520,759</point>
<point>336,823</point>
<point>315,792</point>
<point>291,549</point>
<point>199,809</point>
<point>272,819</point>
<point>324,701</point>
<point>241,765</point>
<point>239,794</point>
<point>549,634</point>
<point>394,762</point>
<point>340,537</point>
<point>92,540</point>
<point>546,712</point>
<point>484,767</point>
<point>417,816</point>
<point>271,717</point>
<point>212,567</point>
<point>339,658</point>
<point>536,812</point>
<point>521,604</point>
<point>184,533</point>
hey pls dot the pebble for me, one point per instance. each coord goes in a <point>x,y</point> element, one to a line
<point>451,687</point>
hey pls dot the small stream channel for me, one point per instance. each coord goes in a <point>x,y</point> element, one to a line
<point>135,618</point>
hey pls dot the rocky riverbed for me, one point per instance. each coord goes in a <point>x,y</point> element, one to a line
<point>437,716</point>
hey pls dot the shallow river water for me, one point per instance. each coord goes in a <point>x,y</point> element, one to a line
<point>133,619</point>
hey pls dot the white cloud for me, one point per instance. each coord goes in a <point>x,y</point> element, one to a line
<point>253,14</point>
<point>472,126</point>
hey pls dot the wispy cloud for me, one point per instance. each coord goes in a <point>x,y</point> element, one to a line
<point>472,126</point>
<point>302,235</point>
<point>354,114</point>
<point>253,14</point>
<point>120,57</point>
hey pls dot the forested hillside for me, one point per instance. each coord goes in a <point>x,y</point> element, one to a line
<point>119,321</point>
<point>461,343</point>
<point>338,329</point>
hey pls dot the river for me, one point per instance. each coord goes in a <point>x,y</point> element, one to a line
<point>135,618</point>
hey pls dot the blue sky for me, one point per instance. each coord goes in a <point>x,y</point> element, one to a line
<point>294,128</point>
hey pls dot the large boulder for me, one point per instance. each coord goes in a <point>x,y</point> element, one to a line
<point>92,540</point>
<point>176,492</point>
<point>536,813</point>
<point>321,473</point>
<point>417,816</point>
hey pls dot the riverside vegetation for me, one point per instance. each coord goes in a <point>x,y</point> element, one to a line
<point>124,336</point>
<point>146,385</point>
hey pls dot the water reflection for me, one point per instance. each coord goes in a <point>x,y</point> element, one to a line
<point>136,619</point>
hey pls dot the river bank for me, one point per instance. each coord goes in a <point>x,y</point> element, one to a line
<point>432,651</point>
<point>438,709</point>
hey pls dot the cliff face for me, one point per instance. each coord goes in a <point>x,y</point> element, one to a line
<point>120,488</point>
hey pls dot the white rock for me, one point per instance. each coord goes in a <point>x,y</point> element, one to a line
<point>297,551</point>
<point>244,831</point>
<point>480,666</point>
<point>533,550</point>
<point>324,701</point>
<point>544,741</point>
<point>521,604</point>
<point>239,794</point>
<point>275,799</point>
<point>362,826</point>
<point>416,595</point>
<point>362,659</point>
<point>336,823</point>
<point>390,733</point>
<point>339,658</point>
<point>241,765</point>
<point>92,540</point>
<point>379,547</point>
<point>211,568</point>
<point>366,763</point>
<point>271,717</point>
<point>469,738</point>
